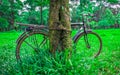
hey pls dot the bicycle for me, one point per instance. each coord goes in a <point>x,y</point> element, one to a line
<point>35,38</point>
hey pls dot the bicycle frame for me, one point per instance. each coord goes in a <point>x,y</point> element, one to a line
<point>33,29</point>
<point>82,30</point>
<point>42,28</point>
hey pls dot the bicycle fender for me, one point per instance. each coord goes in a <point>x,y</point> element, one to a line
<point>20,37</point>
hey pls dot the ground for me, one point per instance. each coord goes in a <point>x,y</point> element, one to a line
<point>108,63</point>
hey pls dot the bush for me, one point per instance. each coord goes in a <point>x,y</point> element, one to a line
<point>3,23</point>
<point>103,23</point>
<point>118,18</point>
<point>93,24</point>
<point>108,19</point>
<point>47,64</point>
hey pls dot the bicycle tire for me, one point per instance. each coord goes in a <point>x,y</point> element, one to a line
<point>23,45</point>
<point>95,44</point>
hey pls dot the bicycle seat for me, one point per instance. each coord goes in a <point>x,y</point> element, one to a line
<point>29,28</point>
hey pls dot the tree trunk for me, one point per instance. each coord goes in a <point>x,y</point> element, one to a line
<point>12,15</point>
<point>59,24</point>
<point>41,17</point>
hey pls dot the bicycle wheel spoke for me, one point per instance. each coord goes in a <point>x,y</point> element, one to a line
<point>43,43</point>
<point>35,40</point>
<point>31,45</point>
<point>89,45</point>
<point>32,40</point>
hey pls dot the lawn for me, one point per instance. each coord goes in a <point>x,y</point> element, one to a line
<point>108,63</point>
<point>8,37</point>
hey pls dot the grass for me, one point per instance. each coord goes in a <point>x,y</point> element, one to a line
<point>8,37</point>
<point>108,63</point>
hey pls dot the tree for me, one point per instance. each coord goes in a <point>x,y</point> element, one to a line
<point>107,19</point>
<point>12,14</point>
<point>117,20</point>
<point>113,1</point>
<point>9,11</point>
<point>3,24</point>
<point>36,6</point>
<point>59,24</point>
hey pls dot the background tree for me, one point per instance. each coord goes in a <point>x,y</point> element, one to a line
<point>9,11</point>
<point>30,11</point>
<point>107,19</point>
<point>37,10</point>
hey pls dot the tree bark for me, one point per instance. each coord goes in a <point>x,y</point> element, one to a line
<point>12,18</point>
<point>41,17</point>
<point>59,24</point>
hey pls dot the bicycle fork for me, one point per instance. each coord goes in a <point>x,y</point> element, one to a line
<point>86,41</point>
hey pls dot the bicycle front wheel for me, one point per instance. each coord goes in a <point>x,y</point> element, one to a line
<point>88,44</point>
<point>30,45</point>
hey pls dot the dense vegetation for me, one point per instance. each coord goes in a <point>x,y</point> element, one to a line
<point>105,13</point>
<point>103,16</point>
<point>106,64</point>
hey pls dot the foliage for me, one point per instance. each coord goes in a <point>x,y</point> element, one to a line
<point>3,24</point>
<point>85,7</point>
<point>37,11</point>
<point>107,19</point>
<point>29,11</point>
<point>106,64</point>
<point>84,3</point>
<point>118,18</point>
<point>102,14</point>
<point>93,24</point>
<point>113,1</point>
<point>9,11</point>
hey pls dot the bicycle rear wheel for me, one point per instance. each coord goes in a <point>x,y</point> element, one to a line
<point>31,45</point>
<point>89,45</point>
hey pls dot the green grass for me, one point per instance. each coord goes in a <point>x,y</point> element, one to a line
<point>108,63</point>
<point>8,37</point>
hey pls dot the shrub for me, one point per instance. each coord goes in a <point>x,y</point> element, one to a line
<point>3,23</point>
<point>107,19</point>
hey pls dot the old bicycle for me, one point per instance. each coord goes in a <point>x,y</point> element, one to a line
<point>35,38</point>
